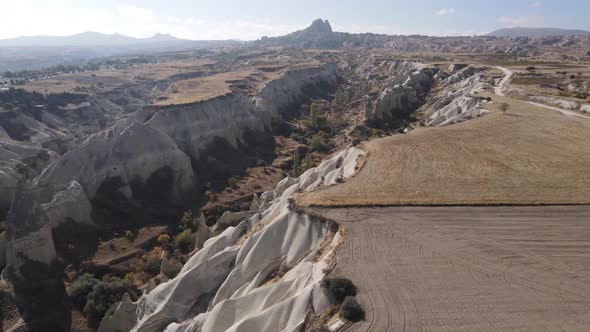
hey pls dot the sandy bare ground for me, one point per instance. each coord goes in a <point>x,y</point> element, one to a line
<point>529,156</point>
<point>468,268</point>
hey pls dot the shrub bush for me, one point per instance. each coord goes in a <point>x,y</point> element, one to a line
<point>320,143</point>
<point>184,241</point>
<point>233,182</point>
<point>104,294</point>
<point>171,268</point>
<point>81,287</point>
<point>321,328</point>
<point>163,240</point>
<point>338,289</point>
<point>150,263</point>
<point>351,310</point>
<point>129,235</point>
<point>188,222</point>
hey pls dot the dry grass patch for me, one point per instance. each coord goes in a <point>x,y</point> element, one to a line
<point>530,155</point>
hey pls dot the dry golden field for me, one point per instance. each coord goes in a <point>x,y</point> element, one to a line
<point>202,88</point>
<point>107,79</point>
<point>529,156</point>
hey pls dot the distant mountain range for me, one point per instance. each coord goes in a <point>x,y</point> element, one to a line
<point>537,32</point>
<point>87,39</point>
<point>36,52</point>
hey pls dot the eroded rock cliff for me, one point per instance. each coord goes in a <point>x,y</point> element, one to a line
<point>149,164</point>
<point>262,275</point>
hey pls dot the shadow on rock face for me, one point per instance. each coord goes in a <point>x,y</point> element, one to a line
<point>152,201</point>
<point>74,241</point>
<point>41,297</point>
<point>221,160</point>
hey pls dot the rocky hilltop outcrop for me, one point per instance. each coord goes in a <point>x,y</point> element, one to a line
<point>319,35</point>
<point>319,26</point>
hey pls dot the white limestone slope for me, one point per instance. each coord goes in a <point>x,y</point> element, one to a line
<point>228,285</point>
<point>456,102</point>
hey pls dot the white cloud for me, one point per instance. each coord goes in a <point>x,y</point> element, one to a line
<point>133,21</point>
<point>446,11</point>
<point>527,21</point>
<point>535,4</point>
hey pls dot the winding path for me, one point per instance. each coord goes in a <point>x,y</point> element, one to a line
<point>561,110</point>
<point>500,88</point>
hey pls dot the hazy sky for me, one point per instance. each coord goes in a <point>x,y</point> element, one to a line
<point>251,19</point>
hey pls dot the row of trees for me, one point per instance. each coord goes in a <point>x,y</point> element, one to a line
<point>320,128</point>
<point>90,66</point>
<point>21,99</point>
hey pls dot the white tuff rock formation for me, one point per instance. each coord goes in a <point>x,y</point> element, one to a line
<point>156,146</point>
<point>226,286</point>
<point>456,101</point>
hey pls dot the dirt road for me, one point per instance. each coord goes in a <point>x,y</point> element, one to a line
<point>499,90</point>
<point>561,110</point>
<point>468,268</point>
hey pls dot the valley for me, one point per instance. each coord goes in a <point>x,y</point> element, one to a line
<point>317,181</point>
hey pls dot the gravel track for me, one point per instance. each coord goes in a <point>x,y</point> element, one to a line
<point>499,90</point>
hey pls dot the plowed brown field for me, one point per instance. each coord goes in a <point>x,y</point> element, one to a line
<point>468,268</point>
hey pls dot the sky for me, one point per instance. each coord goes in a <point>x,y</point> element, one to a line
<point>252,19</point>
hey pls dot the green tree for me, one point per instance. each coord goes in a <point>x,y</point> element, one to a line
<point>307,163</point>
<point>185,241</point>
<point>81,287</point>
<point>163,240</point>
<point>188,222</point>
<point>504,107</point>
<point>296,163</point>
<point>104,294</point>
<point>339,97</point>
<point>313,116</point>
<point>351,310</point>
<point>368,104</point>
<point>320,143</point>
